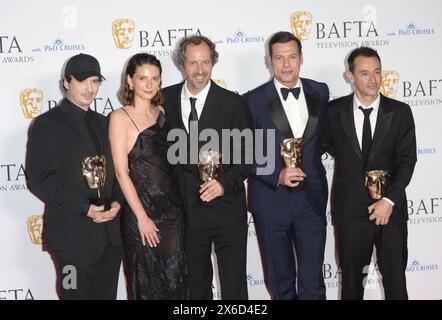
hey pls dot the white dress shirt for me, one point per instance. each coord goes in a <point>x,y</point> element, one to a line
<point>295,109</point>
<point>199,103</point>
<point>359,116</point>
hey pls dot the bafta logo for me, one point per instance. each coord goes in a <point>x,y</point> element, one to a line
<point>35,228</point>
<point>123,32</point>
<point>377,183</point>
<point>31,102</point>
<point>389,83</point>
<point>221,83</point>
<point>300,22</point>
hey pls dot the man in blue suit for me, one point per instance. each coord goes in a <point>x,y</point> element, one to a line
<point>289,204</point>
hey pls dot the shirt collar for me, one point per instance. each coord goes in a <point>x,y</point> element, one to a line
<point>279,85</point>
<point>75,110</point>
<point>201,96</point>
<point>374,104</point>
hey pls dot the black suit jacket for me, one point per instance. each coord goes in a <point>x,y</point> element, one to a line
<point>56,148</point>
<point>393,148</point>
<point>223,109</point>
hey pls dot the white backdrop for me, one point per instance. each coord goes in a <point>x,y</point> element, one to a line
<point>37,37</point>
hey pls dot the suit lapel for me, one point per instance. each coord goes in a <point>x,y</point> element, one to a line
<point>312,101</point>
<point>177,108</point>
<point>348,124</point>
<point>279,117</point>
<point>383,121</point>
<point>212,108</point>
<point>276,111</point>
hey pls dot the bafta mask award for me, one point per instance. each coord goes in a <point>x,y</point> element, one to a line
<point>210,163</point>
<point>291,152</point>
<point>377,183</point>
<point>93,170</point>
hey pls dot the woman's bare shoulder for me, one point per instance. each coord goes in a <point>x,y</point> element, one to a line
<point>120,112</point>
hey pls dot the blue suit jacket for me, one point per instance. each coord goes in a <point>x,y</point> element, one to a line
<point>265,196</point>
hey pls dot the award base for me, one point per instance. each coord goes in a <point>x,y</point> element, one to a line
<point>103,200</point>
<point>299,187</point>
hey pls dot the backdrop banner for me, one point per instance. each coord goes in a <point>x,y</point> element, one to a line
<point>37,38</point>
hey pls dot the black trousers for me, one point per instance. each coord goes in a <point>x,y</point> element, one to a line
<point>231,255</point>
<point>88,275</point>
<point>355,248</point>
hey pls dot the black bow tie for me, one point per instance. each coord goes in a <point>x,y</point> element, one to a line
<point>294,91</point>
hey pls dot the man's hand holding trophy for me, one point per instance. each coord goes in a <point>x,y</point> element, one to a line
<point>291,152</point>
<point>209,165</point>
<point>377,183</point>
<point>93,169</point>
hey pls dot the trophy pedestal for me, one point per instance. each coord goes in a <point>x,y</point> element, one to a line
<point>205,204</point>
<point>299,187</point>
<point>102,201</point>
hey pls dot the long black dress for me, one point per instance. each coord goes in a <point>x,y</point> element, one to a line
<point>159,272</point>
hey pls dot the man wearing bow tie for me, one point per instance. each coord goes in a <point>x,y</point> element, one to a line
<point>289,204</point>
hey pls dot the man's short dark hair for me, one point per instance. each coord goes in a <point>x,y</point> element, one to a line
<point>361,51</point>
<point>283,37</point>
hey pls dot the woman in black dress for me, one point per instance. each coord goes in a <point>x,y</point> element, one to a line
<point>152,217</point>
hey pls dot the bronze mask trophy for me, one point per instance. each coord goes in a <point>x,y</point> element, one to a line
<point>291,152</point>
<point>93,169</point>
<point>377,183</point>
<point>210,164</point>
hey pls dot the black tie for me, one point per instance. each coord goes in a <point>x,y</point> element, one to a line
<point>92,129</point>
<point>193,116</point>
<point>294,91</point>
<point>366,133</point>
